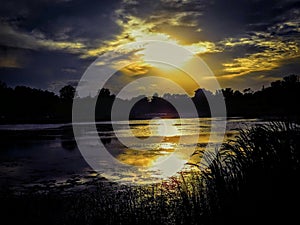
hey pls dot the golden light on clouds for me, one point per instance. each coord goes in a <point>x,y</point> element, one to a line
<point>71,46</point>
<point>272,54</point>
<point>125,54</point>
<point>140,49</point>
<point>136,69</point>
<point>235,56</point>
<point>231,46</point>
<point>138,30</point>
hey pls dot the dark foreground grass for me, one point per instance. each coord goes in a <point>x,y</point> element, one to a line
<point>252,180</point>
<point>255,178</point>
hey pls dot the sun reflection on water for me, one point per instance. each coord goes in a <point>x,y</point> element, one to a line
<point>166,127</point>
<point>157,159</point>
<point>160,148</point>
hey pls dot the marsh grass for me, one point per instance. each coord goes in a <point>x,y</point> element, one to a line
<point>252,179</point>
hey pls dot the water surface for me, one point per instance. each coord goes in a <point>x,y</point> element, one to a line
<point>47,155</point>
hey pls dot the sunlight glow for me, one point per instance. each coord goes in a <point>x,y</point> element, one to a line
<point>161,52</point>
<point>138,30</point>
<point>166,128</point>
<point>141,49</point>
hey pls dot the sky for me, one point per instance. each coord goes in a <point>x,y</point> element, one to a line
<point>48,44</point>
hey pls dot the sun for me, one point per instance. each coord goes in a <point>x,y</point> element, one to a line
<point>141,49</point>
<point>176,57</point>
<point>154,46</point>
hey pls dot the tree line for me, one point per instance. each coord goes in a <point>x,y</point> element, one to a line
<point>24,104</point>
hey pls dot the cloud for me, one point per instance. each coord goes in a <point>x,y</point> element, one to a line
<point>239,40</point>
<point>275,46</point>
<point>72,47</point>
<point>12,37</point>
<point>163,13</point>
<point>57,25</point>
<point>136,69</point>
<point>273,53</point>
<point>145,20</point>
<point>268,41</point>
<point>69,70</point>
<point>135,29</point>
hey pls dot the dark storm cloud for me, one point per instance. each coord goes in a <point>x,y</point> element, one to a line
<point>223,19</point>
<point>159,12</point>
<point>88,21</point>
<point>277,42</point>
<point>42,40</point>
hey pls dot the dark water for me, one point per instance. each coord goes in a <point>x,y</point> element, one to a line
<point>45,156</point>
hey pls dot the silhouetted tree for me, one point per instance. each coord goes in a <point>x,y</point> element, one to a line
<point>227,92</point>
<point>292,79</point>
<point>201,102</point>
<point>104,93</point>
<point>2,85</point>
<point>237,94</point>
<point>67,93</point>
<point>276,84</point>
<point>248,91</point>
<point>25,104</point>
<point>104,104</point>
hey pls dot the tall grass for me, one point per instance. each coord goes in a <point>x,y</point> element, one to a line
<point>253,178</point>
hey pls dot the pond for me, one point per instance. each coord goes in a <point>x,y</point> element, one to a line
<point>47,155</point>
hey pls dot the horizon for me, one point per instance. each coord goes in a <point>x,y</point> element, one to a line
<point>155,94</point>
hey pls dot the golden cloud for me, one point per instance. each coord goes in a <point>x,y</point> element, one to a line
<point>73,47</point>
<point>136,30</point>
<point>274,52</point>
<point>136,69</point>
